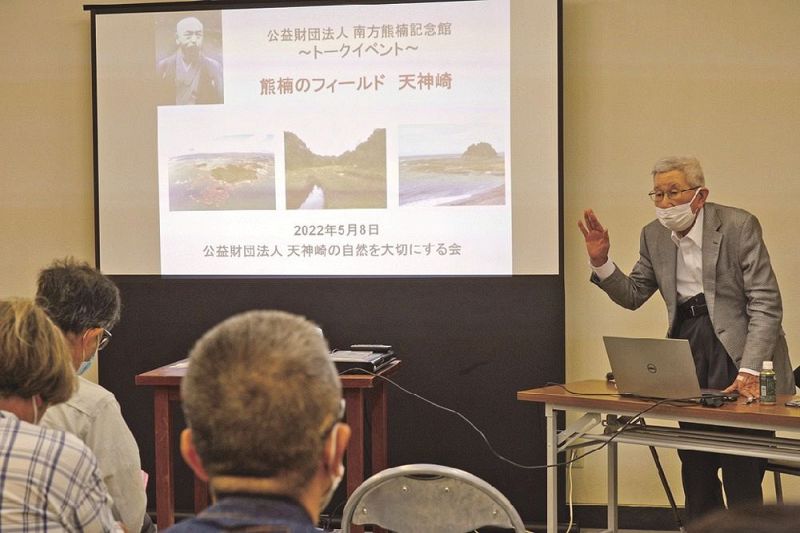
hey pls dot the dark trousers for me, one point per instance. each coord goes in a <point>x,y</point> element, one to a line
<point>741,476</point>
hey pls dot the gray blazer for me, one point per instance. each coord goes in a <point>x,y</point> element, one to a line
<point>744,302</point>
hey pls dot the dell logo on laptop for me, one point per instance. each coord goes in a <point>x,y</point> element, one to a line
<point>652,368</point>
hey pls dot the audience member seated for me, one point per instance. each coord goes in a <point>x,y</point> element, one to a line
<point>750,519</point>
<point>263,404</point>
<point>49,480</point>
<point>85,304</point>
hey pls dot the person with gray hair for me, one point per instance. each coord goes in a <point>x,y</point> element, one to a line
<point>85,304</point>
<point>713,270</point>
<point>263,405</point>
<point>49,480</point>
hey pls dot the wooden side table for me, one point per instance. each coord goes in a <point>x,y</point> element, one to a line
<point>360,391</point>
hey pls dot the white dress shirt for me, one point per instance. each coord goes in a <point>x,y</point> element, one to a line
<point>689,268</point>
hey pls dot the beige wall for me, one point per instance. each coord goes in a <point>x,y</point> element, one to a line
<point>46,173</point>
<point>46,138</point>
<point>642,78</point>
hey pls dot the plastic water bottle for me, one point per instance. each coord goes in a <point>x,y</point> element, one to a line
<point>767,382</point>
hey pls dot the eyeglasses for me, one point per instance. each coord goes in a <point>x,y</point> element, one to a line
<point>105,338</point>
<point>672,194</point>
<point>339,418</point>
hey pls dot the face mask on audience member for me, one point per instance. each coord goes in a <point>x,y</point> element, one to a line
<point>337,477</point>
<point>679,217</point>
<point>87,364</point>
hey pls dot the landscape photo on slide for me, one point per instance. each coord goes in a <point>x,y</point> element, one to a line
<point>451,165</point>
<point>223,179</point>
<point>353,179</point>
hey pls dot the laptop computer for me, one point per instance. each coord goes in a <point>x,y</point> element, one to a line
<point>656,368</point>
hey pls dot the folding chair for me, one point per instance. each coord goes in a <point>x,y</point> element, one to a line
<point>421,498</point>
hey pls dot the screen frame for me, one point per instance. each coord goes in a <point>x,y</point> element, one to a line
<point>96,9</point>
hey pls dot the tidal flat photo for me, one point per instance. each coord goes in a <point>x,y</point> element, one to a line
<point>223,181</point>
<point>352,178</point>
<point>451,165</point>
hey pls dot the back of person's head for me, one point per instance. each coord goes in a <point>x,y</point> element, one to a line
<point>77,296</point>
<point>260,396</point>
<point>34,357</point>
<point>750,518</point>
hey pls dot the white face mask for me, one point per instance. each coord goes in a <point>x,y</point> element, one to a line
<point>337,477</point>
<point>679,217</point>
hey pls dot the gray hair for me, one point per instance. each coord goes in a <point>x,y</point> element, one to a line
<point>77,297</point>
<point>689,165</point>
<point>260,395</point>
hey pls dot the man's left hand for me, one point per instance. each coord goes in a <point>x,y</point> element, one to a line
<point>747,385</point>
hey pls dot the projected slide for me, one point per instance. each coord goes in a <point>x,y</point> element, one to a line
<point>317,140</point>
<point>348,141</point>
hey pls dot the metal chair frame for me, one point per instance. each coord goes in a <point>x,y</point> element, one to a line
<point>421,498</point>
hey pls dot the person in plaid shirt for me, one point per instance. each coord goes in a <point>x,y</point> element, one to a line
<point>49,479</point>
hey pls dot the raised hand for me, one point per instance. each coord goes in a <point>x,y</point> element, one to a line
<point>596,237</point>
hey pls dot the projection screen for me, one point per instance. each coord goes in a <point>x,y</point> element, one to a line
<point>322,139</point>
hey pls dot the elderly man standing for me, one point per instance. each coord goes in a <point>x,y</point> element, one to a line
<point>85,304</point>
<point>712,268</point>
<point>189,76</point>
<point>263,404</point>
<point>49,479</point>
